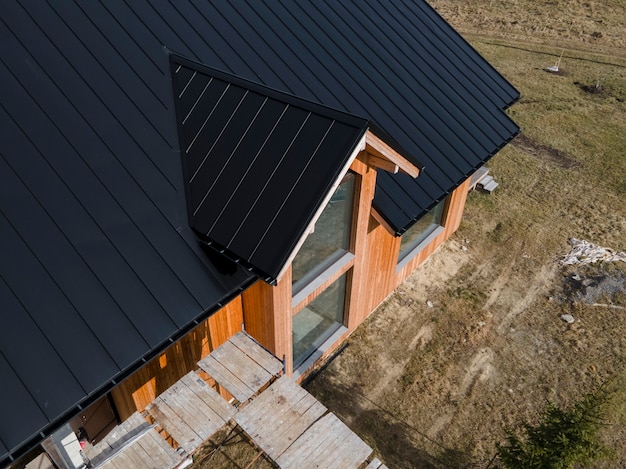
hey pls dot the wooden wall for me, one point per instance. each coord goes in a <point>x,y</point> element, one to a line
<point>157,375</point>
<point>267,316</point>
<point>267,310</point>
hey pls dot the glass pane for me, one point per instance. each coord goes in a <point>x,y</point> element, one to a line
<point>318,321</point>
<point>330,239</point>
<point>422,228</point>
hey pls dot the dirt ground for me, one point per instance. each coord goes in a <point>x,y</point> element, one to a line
<point>476,340</point>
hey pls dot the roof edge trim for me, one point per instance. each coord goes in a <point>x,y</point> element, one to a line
<point>379,150</point>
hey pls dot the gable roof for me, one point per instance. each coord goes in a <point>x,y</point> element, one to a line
<point>257,163</point>
<point>100,269</point>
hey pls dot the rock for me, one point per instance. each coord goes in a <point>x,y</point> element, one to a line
<point>429,304</point>
<point>464,248</point>
<point>568,318</point>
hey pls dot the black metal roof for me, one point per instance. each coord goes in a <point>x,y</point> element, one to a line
<point>257,163</point>
<point>99,268</point>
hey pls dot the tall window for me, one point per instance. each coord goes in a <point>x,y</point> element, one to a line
<point>318,322</point>
<point>330,238</point>
<point>415,237</point>
<point>326,250</point>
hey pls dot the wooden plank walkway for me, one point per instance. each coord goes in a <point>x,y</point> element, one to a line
<point>191,411</point>
<point>328,443</point>
<point>129,444</point>
<point>279,415</point>
<point>148,451</point>
<point>241,366</point>
<point>292,428</point>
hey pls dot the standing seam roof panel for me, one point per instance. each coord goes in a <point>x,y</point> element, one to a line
<point>469,134</point>
<point>474,62</point>
<point>385,44</point>
<point>307,147</point>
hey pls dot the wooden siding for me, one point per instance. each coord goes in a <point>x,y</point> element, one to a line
<point>141,388</point>
<point>451,220</point>
<point>267,316</point>
<point>267,310</point>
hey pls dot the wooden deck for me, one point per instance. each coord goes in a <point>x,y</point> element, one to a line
<point>191,411</point>
<point>286,422</point>
<point>296,431</point>
<point>127,443</point>
<point>241,366</point>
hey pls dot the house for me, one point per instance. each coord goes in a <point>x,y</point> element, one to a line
<point>173,172</point>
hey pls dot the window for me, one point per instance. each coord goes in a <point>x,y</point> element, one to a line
<point>330,239</point>
<point>319,324</point>
<point>324,255</point>
<point>416,237</point>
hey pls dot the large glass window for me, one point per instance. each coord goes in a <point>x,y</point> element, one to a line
<point>318,322</point>
<point>330,238</point>
<point>421,230</point>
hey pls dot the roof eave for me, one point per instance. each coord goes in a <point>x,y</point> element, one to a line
<point>383,156</point>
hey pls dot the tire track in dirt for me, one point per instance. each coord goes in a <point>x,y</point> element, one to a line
<point>537,285</point>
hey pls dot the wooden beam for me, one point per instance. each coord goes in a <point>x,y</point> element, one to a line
<point>382,163</point>
<point>379,218</point>
<point>378,149</point>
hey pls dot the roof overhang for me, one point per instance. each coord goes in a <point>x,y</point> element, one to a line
<point>381,155</point>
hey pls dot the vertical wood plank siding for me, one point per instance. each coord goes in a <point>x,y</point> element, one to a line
<point>267,311</point>
<point>139,389</point>
<point>267,316</point>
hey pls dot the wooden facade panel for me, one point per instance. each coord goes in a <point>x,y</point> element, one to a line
<point>267,316</point>
<point>141,388</point>
<point>451,219</point>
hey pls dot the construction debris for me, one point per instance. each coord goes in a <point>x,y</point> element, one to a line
<point>584,252</point>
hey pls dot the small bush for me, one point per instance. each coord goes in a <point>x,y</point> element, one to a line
<point>562,439</point>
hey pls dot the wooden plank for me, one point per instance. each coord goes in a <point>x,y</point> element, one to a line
<point>328,443</point>
<point>257,353</point>
<point>311,445</point>
<point>154,445</point>
<point>193,410</point>
<point>374,464</point>
<point>209,395</point>
<point>246,369</point>
<point>279,416</point>
<point>377,147</point>
<point>184,435</point>
<point>149,451</point>
<point>123,434</point>
<point>382,163</point>
<point>194,413</point>
<point>226,378</point>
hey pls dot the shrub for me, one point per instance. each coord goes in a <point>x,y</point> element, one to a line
<point>562,438</point>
